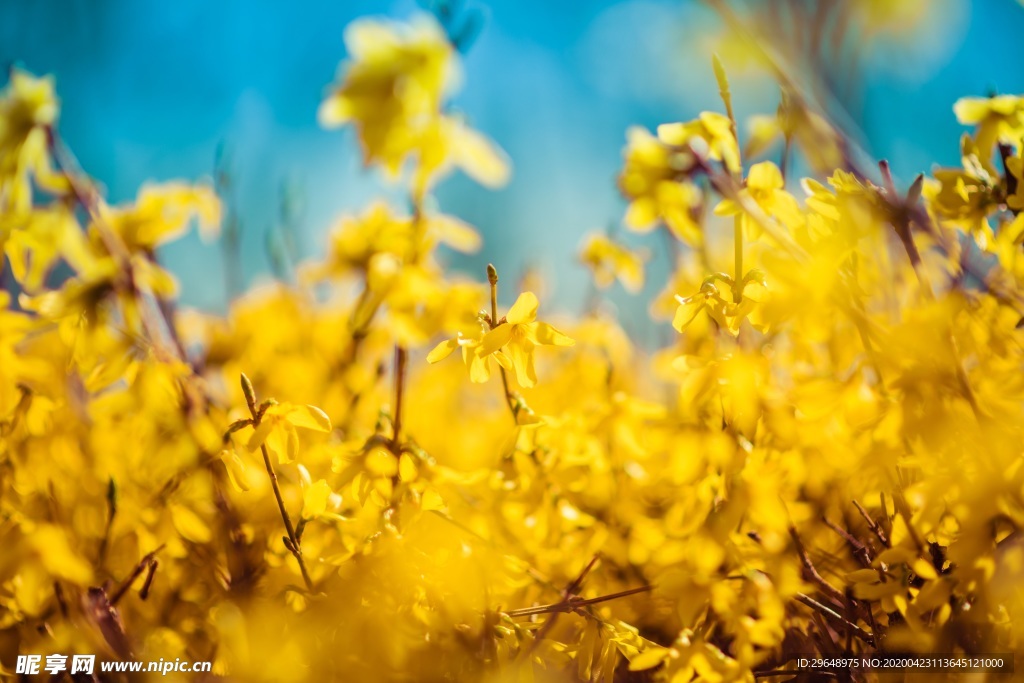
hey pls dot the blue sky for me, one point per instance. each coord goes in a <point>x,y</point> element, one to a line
<point>149,90</point>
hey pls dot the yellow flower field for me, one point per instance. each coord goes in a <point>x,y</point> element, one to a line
<point>379,473</point>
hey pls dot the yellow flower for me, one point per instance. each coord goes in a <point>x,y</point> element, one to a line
<point>652,180</point>
<point>448,142</point>
<point>315,499</point>
<point>28,107</point>
<point>393,92</point>
<point>710,130</point>
<point>277,428</point>
<point>609,261</point>
<point>356,240</point>
<point>722,309</point>
<point>766,187</point>
<point>967,196</point>
<point>478,365</point>
<point>519,334</point>
<point>36,240</point>
<point>160,214</point>
<point>394,85</point>
<point>998,119</point>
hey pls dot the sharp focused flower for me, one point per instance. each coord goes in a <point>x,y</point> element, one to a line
<point>518,335</point>
<point>277,428</point>
<point>477,364</point>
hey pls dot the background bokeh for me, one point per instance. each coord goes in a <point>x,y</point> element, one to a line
<point>152,90</point>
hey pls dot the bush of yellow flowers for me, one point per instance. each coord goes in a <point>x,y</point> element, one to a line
<point>378,474</point>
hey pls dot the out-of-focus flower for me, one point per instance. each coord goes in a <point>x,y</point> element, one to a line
<point>766,187</point>
<point>393,92</point>
<point>610,261</point>
<point>28,108</point>
<point>713,131</point>
<point>651,180</point>
<point>996,119</point>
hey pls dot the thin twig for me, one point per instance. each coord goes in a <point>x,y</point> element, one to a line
<point>811,574</point>
<point>492,279</point>
<point>835,616</point>
<point>293,542</point>
<point>401,356</point>
<point>575,603</point>
<point>859,549</point>
<point>569,592</point>
<point>872,524</point>
<point>144,563</point>
<point>148,583</point>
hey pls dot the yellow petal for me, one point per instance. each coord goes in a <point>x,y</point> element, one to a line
<point>495,339</point>
<point>765,176</point>
<point>431,500</point>
<point>479,368</point>
<point>642,215</point>
<point>443,350</point>
<point>542,333</point>
<point>407,469</point>
<point>235,467</point>
<point>334,112</point>
<point>649,658</point>
<point>457,234</point>
<point>480,158</point>
<point>524,310</point>
<point>727,207</point>
<point>522,360</point>
<point>190,525</point>
<point>260,434</point>
<point>687,312</point>
<point>314,499</point>
<point>309,417</point>
<point>51,544</point>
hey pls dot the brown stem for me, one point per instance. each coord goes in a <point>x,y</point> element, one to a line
<point>567,594</point>
<point>1005,152</point>
<point>872,524</point>
<point>835,616</point>
<point>62,602</point>
<point>148,583</point>
<point>401,356</point>
<point>144,563</point>
<point>811,574</point>
<point>492,279</point>
<point>859,549</point>
<point>293,542</point>
<point>572,604</point>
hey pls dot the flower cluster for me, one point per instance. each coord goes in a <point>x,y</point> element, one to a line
<point>826,458</point>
